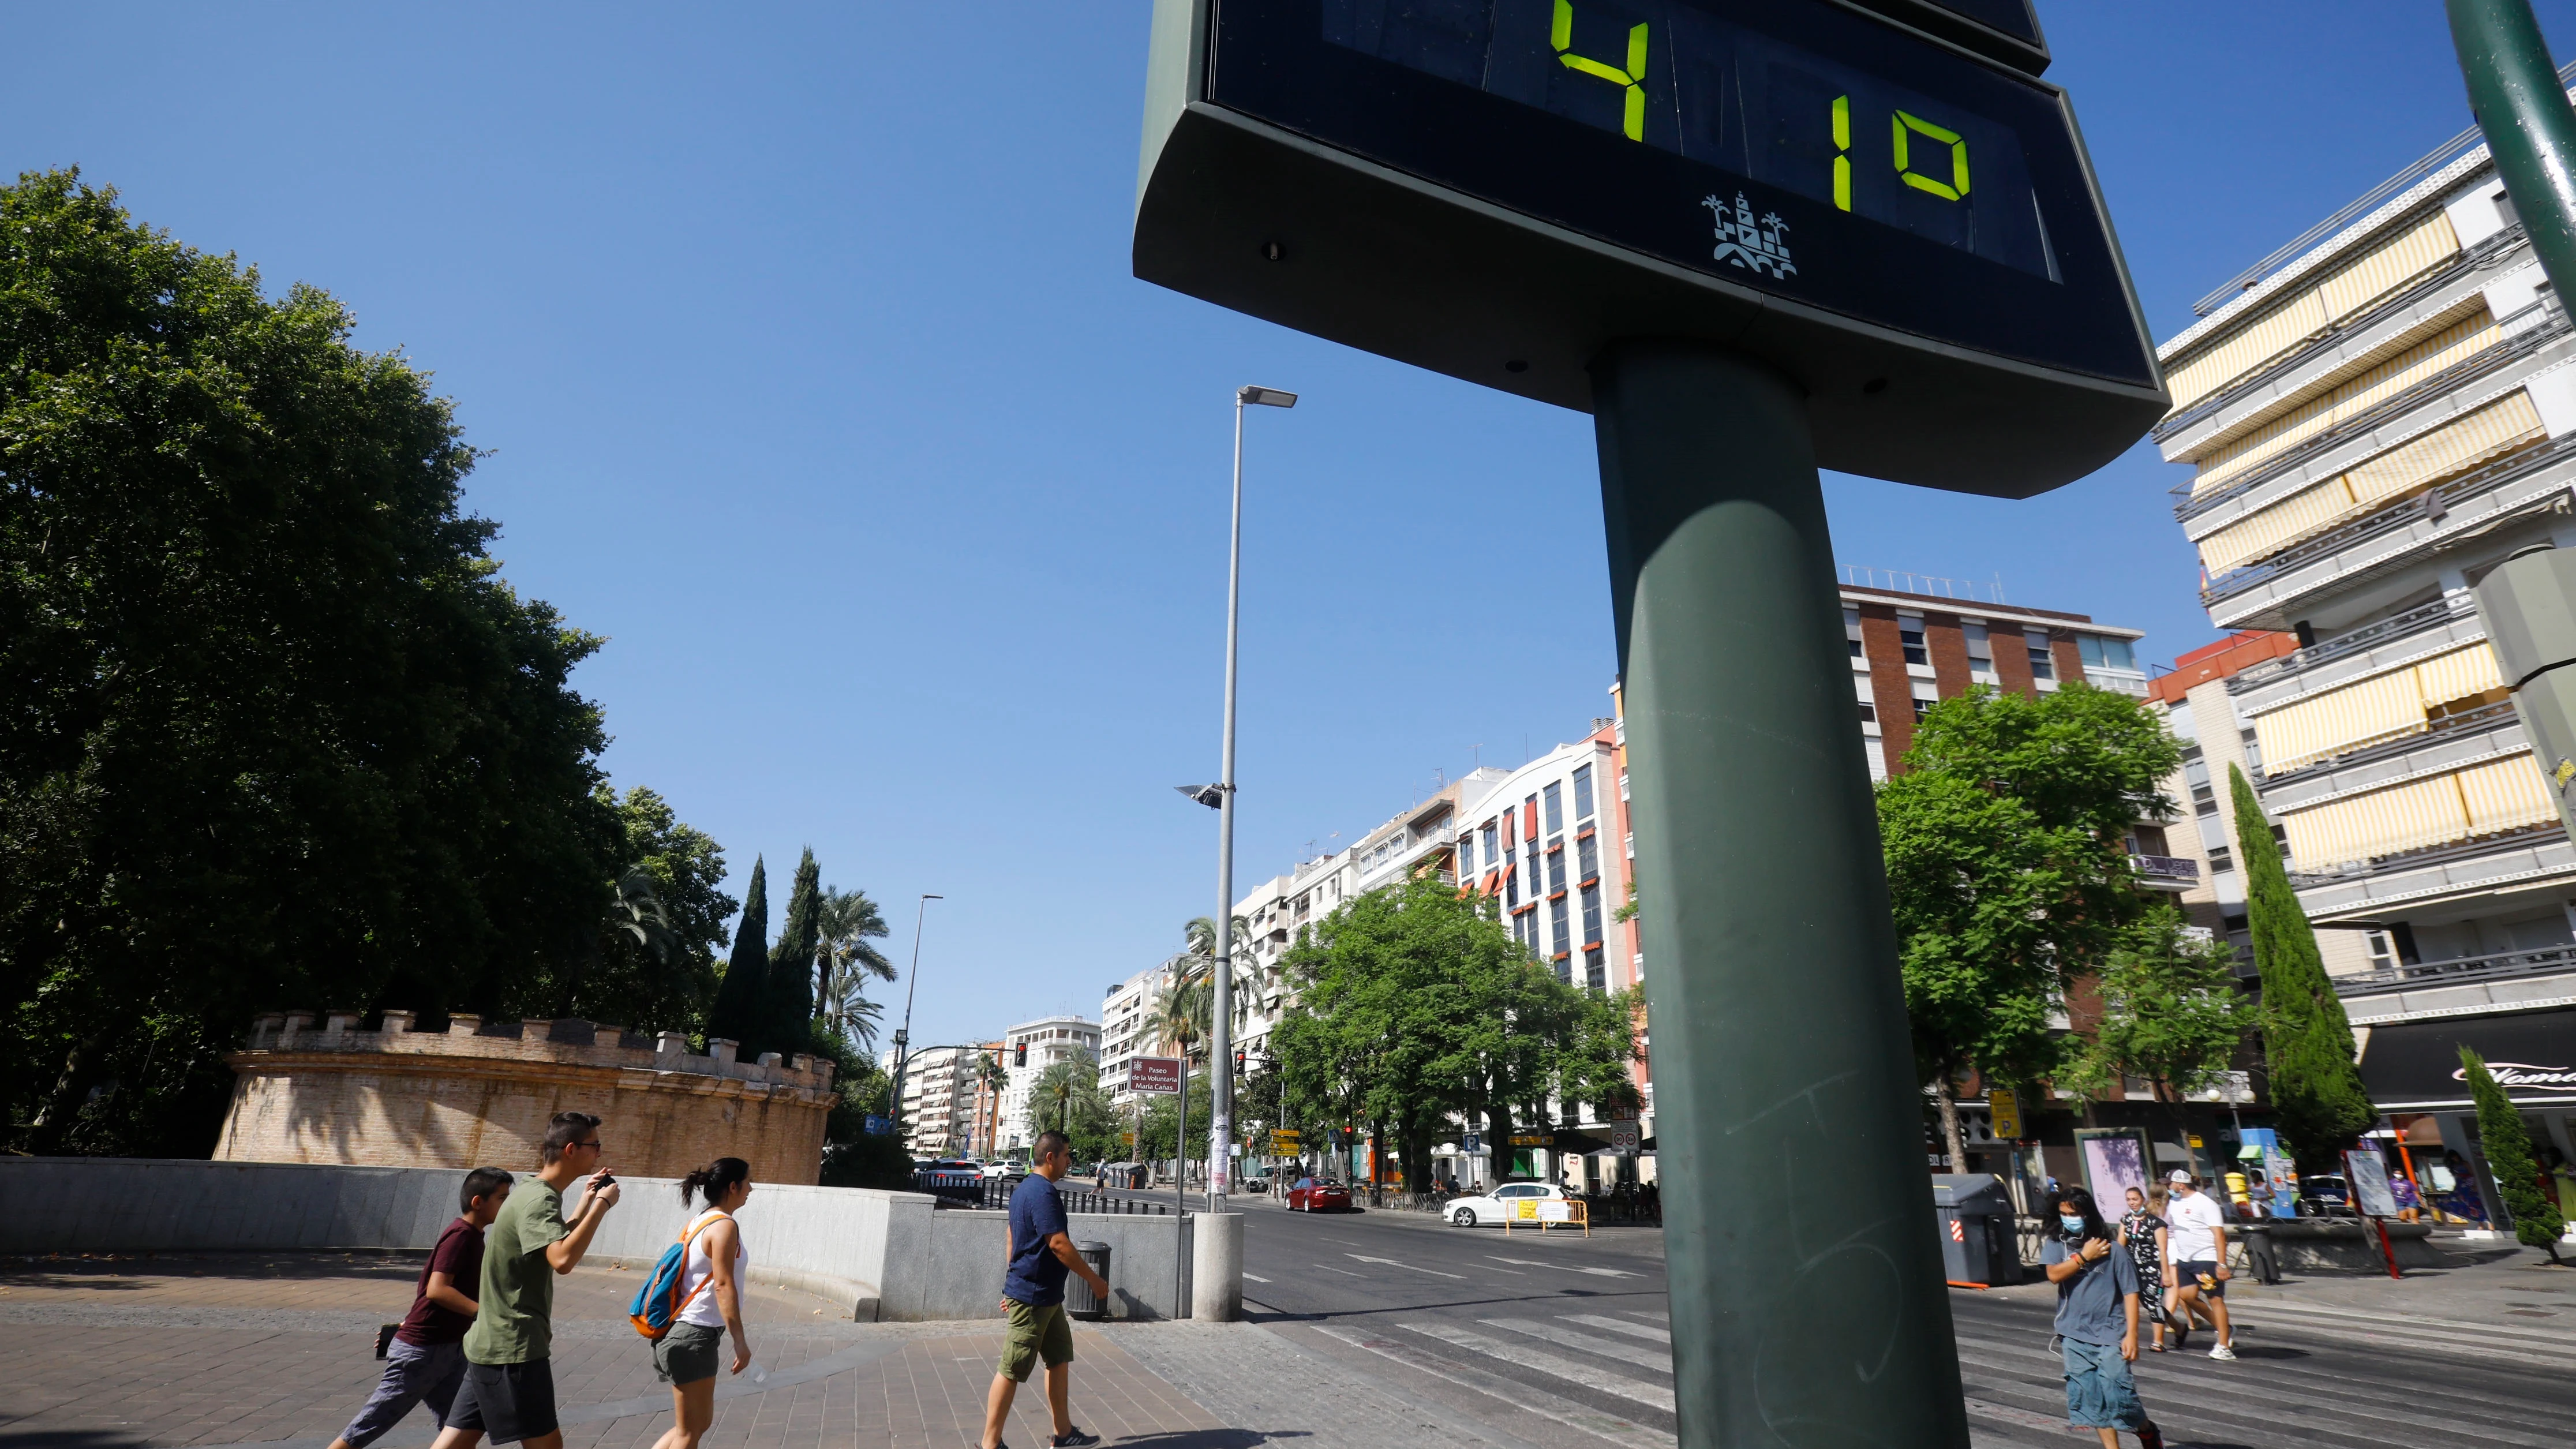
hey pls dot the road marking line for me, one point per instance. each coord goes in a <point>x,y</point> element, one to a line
<point>1517,1395</point>
<point>1255,1277</point>
<point>1560,1267</point>
<point>1589,1343</point>
<point>1390,1262</point>
<point>1555,1365</point>
<point>1633,1330</point>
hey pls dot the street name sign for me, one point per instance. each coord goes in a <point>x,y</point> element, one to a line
<point>1284,1144</point>
<point>1154,1076</point>
<point>1907,228</point>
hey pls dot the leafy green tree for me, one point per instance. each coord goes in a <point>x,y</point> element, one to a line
<point>2317,1093</point>
<point>742,996</point>
<point>278,734</point>
<point>2007,872</point>
<point>2534,1209</point>
<point>791,986</point>
<point>2171,1013</point>
<point>655,966</point>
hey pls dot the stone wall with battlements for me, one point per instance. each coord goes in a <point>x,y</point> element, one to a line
<point>481,1094</point>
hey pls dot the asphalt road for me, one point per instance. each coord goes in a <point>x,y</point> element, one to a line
<point>1556,1338</point>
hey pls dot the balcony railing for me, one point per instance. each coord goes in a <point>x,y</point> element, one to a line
<point>2165,872</point>
<point>2191,505</point>
<point>2432,503</point>
<point>2482,717</point>
<point>2414,975</point>
<point>2367,636</point>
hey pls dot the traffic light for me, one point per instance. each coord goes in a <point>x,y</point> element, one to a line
<point>1238,1060</point>
<point>1020,1055</point>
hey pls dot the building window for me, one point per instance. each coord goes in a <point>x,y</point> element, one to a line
<point>1556,871</point>
<point>2383,951</point>
<point>2041,665</point>
<point>1467,853</point>
<point>1511,880</point>
<point>2101,653</point>
<point>1555,808</point>
<point>1560,926</point>
<point>1921,707</point>
<point>1592,913</point>
<point>1490,854</point>
<point>2221,859</point>
<point>1583,792</point>
<point>1851,630</point>
<point>1529,818</point>
<point>1595,975</point>
<point>1868,713</point>
<point>1628,845</point>
<point>1981,649</point>
<point>1909,633</point>
<point>1587,859</point>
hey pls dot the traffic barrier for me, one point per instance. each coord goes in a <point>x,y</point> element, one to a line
<point>1548,1212</point>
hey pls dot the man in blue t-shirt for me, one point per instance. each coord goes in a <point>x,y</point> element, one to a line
<point>1033,1296</point>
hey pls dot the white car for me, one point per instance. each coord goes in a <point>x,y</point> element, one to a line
<point>1471,1212</point>
<point>993,1170</point>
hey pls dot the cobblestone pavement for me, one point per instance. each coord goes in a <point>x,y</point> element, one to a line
<point>119,1353</point>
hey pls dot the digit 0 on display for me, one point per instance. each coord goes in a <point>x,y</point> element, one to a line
<point>1883,201</point>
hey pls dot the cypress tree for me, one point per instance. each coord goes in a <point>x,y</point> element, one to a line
<point>791,962</point>
<point>2317,1096</point>
<point>745,989</point>
<point>2536,1222</point>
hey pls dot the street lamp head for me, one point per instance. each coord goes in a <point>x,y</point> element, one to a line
<point>1212,796</point>
<point>929,897</point>
<point>1269,397</point>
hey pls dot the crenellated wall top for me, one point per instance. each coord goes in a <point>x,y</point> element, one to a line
<point>284,1036</point>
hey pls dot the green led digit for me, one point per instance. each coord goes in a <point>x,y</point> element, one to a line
<point>1842,146</point>
<point>1561,35</point>
<point>1957,186</point>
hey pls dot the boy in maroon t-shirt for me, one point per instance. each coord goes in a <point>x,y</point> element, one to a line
<point>426,1360</point>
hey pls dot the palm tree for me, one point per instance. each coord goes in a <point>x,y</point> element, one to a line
<point>1196,967</point>
<point>636,910</point>
<point>844,961</point>
<point>1063,1085</point>
<point>1179,1015</point>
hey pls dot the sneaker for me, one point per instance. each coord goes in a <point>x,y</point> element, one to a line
<point>2223,1353</point>
<point>2150,1437</point>
<point>1076,1439</point>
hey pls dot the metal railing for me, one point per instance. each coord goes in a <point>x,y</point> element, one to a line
<point>2434,729</point>
<point>2432,503</point>
<point>2546,961</point>
<point>2361,206</point>
<point>2166,869</point>
<point>2442,854</point>
<point>2414,395</point>
<point>956,1190</point>
<point>2352,641</point>
<point>1862,576</point>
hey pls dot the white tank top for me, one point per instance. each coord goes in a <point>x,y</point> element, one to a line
<point>703,1310</point>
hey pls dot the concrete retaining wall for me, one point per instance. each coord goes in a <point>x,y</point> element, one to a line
<point>2324,1246</point>
<point>887,1255</point>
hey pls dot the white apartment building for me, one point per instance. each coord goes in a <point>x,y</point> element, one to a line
<point>2377,415</point>
<point>1028,1049</point>
<point>938,1099</point>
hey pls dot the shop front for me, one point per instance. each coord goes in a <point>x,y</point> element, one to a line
<point>2413,1071</point>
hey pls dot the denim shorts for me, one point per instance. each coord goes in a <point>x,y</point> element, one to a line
<point>2101,1393</point>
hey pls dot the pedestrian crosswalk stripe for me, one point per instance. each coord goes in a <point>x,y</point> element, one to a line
<point>1548,1363</point>
<point>1518,1395</point>
<point>1588,1342</point>
<point>2533,1337</point>
<point>1633,1330</point>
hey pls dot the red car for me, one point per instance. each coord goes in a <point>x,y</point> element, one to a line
<point>1318,1194</point>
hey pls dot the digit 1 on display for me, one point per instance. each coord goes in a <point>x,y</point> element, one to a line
<point>1842,152</point>
<point>1561,35</point>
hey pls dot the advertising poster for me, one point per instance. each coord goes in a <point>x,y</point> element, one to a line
<point>2367,1174</point>
<point>2115,1160</point>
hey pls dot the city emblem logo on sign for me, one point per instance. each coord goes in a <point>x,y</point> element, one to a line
<point>1762,246</point>
<point>1154,1074</point>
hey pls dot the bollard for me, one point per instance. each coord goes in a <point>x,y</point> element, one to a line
<point>1216,1267</point>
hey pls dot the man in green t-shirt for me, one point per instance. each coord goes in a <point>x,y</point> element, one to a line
<point>509,1389</point>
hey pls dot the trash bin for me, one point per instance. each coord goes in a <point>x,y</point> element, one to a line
<point>1079,1300</point>
<point>1976,1218</point>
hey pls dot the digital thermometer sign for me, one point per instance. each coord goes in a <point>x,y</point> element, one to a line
<point>1496,188</point>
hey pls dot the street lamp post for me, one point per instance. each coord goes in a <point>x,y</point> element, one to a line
<point>1221,1011</point>
<point>903,1033</point>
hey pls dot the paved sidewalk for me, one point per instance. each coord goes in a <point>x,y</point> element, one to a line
<point>213,1351</point>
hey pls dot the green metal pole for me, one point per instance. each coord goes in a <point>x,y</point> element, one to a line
<point>2521,106</point>
<point>1808,1306</point>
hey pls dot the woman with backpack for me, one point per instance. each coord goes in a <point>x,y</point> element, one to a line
<point>709,1292</point>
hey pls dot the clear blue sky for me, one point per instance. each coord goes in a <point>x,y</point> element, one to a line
<point>815,378</point>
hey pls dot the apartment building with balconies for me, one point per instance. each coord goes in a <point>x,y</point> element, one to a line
<point>1028,1049</point>
<point>938,1099</point>
<point>2377,415</point>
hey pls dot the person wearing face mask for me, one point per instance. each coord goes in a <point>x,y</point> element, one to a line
<point>2097,1321</point>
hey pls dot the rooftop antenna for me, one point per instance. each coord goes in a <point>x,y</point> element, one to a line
<point>1476,754</point>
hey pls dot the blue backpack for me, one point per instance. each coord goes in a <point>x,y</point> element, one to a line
<point>658,1304</point>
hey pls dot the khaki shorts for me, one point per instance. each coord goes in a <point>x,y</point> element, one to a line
<point>1035,1333</point>
<point>688,1353</point>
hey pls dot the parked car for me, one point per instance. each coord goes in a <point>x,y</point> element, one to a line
<point>2324,1195</point>
<point>1471,1212</point>
<point>1318,1194</point>
<point>1254,1181</point>
<point>1003,1170</point>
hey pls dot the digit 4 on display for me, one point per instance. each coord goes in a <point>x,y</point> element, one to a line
<point>1890,207</point>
